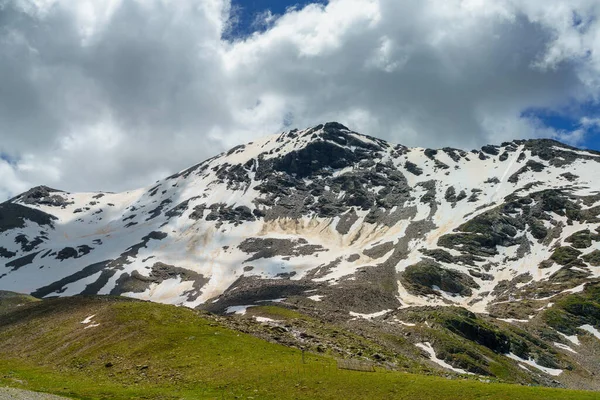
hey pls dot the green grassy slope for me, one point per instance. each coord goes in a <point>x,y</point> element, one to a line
<point>152,351</point>
<point>9,301</point>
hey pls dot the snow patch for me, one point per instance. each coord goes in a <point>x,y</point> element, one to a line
<point>240,310</point>
<point>573,339</point>
<point>370,316</point>
<point>564,347</point>
<point>88,319</point>
<point>265,319</point>
<point>532,363</point>
<point>272,300</point>
<point>576,289</point>
<point>512,320</point>
<point>429,350</point>
<point>591,329</point>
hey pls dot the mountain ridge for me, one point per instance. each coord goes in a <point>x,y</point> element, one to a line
<point>488,260</point>
<point>286,177</point>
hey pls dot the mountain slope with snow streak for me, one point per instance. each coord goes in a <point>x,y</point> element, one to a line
<point>365,224</point>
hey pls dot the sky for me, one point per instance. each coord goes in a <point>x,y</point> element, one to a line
<point>115,94</point>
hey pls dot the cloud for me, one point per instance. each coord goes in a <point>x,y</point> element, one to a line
<point>10,182</point>
<point>114,94</point>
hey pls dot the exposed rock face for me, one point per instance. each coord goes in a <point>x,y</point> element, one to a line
<point>325,206</point>
<point>348,226</point>
<point>15,216</point>
<point>428,277</point>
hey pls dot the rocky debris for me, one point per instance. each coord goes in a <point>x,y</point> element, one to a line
<point>450,194</point>
<point>138,283</point>
<point>14,215</point>
<point>178,210</point>
<point>223,213</point>
<point>430,153</point>
<point>469,326</point>
<point>26,244</point>
<point>355,190</point>
<point>85,249</point>
<point>236,176</point>
<point>413,168</point>
<point>504,225</point>
<point>21,261</point>
<point>59,286</point>
<point>66,253</point>
<point>592,258</point>
<point>269,248</point>
<point>565,255</point>
<point>494,180</point>
<point>198,169</point>
<point>158,210</point>
<point>5,253</point>
<point>569,176</point>
<point>454,154</point>
<point>452,197</point>
<point>530,166</point>
<point>379,250</point>
<point>557,153</point>
<point>443,256</point>
<point>582,239</point>
<point>421,278</point>
<point>108,269</point>
<point>372,186</point>
<point>482,234</point>
<point>346,221</point>
<point>439,165</point>
<point>429,196</point>
<point>249,290</point>
<point>43,195</point>
<point>317,156</point>
<point>491,150</point>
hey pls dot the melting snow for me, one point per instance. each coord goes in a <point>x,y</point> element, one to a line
<point>549,305</point>
<point>272,300</point>
<point>264,319</point>
<point>512,320</point>
<point>212,251</point>
<point>591,329</point>
<point>369,316</point>
<point>88,319</point>
<point>240,310</point>
<point>573,339</point>
<point>316,297</point>
<point>576,289</point>
<point>429,349</point>
<point>564,347</point>
<point>532,363</point>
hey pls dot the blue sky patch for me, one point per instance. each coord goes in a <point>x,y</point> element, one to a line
<point>569,120</point>
<point>245,13</point>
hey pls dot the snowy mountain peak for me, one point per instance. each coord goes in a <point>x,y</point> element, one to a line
<point>363,223</point>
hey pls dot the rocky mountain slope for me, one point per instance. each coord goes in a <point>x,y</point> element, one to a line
<point>117,348</point>
<point>343,224</point>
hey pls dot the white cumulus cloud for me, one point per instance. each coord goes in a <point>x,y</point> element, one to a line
<point>114,94</point>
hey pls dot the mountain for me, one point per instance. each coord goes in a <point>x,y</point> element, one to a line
<point>99,347</point>
<point>500,246</point>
